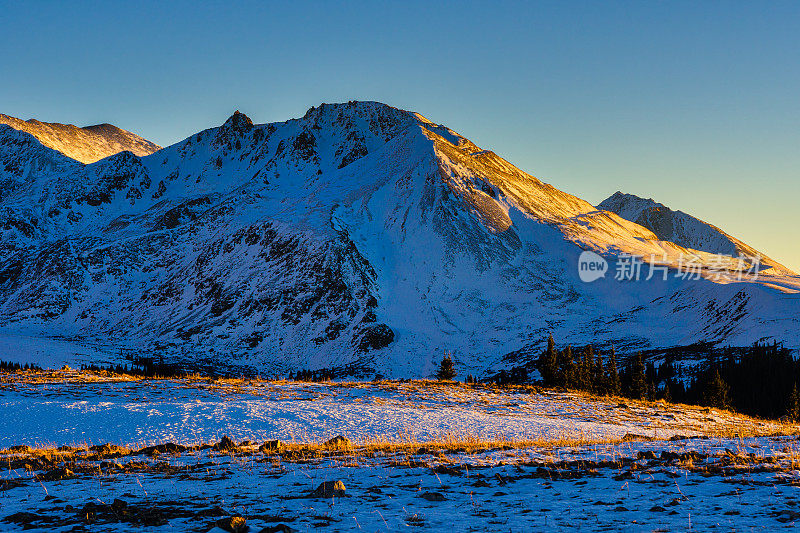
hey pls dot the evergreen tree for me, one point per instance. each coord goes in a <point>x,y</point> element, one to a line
<point>638,381</point>
<point>446,369</point>
<point>548,363</point>
<point>588,369</point>
<point>667,394</point>
<point>716,393</point>
<point>580,370</point>
<point>599,379</point>
<point>794,405</point>
<point>614,386</point>
<point>567,369</point>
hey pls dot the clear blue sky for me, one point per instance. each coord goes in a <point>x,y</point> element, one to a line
<point>695,104</point>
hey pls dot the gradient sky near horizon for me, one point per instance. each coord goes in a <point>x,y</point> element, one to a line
<point>695,104</point>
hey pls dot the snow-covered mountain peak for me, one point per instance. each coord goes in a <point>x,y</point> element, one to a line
<point>682,228</point>
<point>87,144</point>
<point>628,205</point>
<point>237,125</point>
<point>360,236</point>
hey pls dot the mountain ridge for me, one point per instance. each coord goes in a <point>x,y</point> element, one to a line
<point>85,144</point>
<point>681,228</point>
<point>359,236</point>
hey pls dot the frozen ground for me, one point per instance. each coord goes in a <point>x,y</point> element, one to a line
<point>589,488</point>
<point>697,482</point>
<point>66,408</point>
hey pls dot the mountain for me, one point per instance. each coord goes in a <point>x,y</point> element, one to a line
<point>680,228</point>
<point>88,144</point>
<point>361,237</point>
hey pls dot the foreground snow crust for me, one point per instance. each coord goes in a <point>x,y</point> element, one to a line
<point>630,483</point>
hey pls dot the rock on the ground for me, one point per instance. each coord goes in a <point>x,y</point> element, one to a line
<point>233,524</point>
<point>339,442</point>
<point>328,489</point>
<point>226,443</point>
<point>272,446</point>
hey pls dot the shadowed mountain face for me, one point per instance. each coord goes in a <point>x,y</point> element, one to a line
<point>359,236</point>
<point>86,145</point>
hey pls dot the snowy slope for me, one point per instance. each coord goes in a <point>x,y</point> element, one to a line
<point>360,236</point>
<point>679,227</point>
<point>88,144</point>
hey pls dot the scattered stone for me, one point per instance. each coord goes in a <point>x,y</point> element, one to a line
<point>657,509</point>
<point>623,476</point>
<point>57,475</point>
<point>225,444</point>
<point>415,520</point>
<point>24,519</point>
<point>168,447</point>
<point>787,515</point>
<point>108,450</point>
<point>481,483</point>
<point>147,514</point>
<point>213,511</point>
<point>328,489</point>
<point>233,524</point>
<point>21,448</point>
<point>338,442</point>
<point>118,504</point>
<point>272,446</point>
<point>433,496</point>
<point>449,470</point>
<point>633,436</point>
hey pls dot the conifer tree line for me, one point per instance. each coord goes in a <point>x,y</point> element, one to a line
<point>584,370</point>
<point>325,374</point>
<point>8,366</point>
<point>760,380</point>
<point>141,366</point>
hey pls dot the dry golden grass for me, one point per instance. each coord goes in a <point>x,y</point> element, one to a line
<point>699,420</point>
<point>447,444</point>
